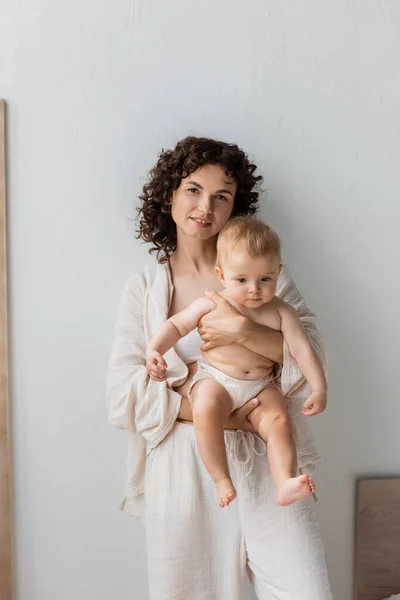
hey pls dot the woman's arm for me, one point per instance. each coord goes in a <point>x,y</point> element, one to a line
<point>126,365</point>
<point>225,325</point>
<point>292,379</point>
<point>262,340</point>
<point>134,401</point>
<point>236,420</point>
<point>300,348</point>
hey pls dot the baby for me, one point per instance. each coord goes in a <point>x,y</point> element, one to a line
<point>248,265</point>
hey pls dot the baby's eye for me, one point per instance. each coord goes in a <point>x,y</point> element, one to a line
<point>266,279</point>
<point>241,280</point>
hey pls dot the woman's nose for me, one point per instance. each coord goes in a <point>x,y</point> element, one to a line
<point>205,205</point>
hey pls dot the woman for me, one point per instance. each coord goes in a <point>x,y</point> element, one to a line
<point>195,550</point>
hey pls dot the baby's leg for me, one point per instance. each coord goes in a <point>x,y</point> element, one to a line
<point>211,406</point>
<point>272,422</point>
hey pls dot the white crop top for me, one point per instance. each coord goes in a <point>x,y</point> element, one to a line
<point>188,347</point>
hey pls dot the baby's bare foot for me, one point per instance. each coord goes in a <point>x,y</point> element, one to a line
<point>226,491</point>
<point>294,489</point>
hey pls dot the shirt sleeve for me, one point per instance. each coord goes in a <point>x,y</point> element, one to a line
<point>134,401</point>
<point>293,382</point>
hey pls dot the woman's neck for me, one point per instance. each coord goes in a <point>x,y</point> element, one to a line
<point>194,257</point>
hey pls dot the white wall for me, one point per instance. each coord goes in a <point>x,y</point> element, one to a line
<point>94,90</point>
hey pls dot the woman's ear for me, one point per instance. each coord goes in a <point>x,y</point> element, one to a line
<point>220,274</point>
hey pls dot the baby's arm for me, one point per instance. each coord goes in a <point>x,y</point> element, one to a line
<point>301,350</point>
<point>171,332</point>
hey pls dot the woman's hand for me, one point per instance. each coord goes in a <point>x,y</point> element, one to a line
<point>222,326</point>
<point>225,325</point>
<point>185,412</point>
<point>237,420</point>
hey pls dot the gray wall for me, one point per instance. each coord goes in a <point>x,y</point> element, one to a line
<point>95,89</point>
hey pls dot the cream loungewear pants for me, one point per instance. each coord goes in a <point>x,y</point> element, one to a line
<point>198,551</point>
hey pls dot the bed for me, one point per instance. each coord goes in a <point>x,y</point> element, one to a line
<point>377,543</point>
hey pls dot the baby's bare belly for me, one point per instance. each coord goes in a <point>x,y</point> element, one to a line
<point>238,362</point>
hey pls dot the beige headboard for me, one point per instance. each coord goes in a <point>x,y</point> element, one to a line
<point>377,544</point>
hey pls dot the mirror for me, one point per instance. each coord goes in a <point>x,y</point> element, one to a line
<point>5,506</point>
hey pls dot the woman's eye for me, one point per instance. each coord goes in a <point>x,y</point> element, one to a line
<point>223,198</point>
<point>193,190</point>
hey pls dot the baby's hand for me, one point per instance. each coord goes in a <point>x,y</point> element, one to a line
<point>155,365</point>
<point>315,404</point>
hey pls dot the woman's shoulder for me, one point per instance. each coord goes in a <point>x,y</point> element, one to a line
<point>286,287</point>
<point>285,277</point>
<point>151,273</point>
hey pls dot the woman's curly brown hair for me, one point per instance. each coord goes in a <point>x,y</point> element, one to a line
<point>155,221</point>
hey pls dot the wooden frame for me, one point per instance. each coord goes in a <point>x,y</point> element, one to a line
<point>5,476</point>
<point>377,547</point>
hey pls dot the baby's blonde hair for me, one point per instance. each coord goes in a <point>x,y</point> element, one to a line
<point>250,234</point>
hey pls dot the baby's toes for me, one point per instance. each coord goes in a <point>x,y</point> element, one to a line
<point>312,485</point>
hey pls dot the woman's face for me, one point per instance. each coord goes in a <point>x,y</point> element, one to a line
<point>203,202</point>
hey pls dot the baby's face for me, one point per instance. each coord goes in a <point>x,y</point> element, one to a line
<point>249,281</point>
